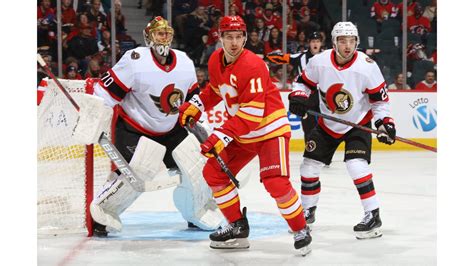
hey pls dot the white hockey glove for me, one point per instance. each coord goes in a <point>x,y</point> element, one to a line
<point>94,118</point>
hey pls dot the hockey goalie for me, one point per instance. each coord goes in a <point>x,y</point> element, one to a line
<point>145,89</point>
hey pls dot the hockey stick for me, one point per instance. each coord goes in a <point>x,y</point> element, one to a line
<point>370,130</point>
<point>201,134</point>
<point>131,178</point>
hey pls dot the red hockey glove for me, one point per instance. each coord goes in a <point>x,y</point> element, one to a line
<point>298,103</point>
<point>193,109</point>
<point>216,141</point>
<point>386,125</point>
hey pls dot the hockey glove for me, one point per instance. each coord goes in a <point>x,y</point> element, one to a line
<point>298,103</point>
<point>278,57</point>
<point>216,141</point>
<point>387,126</point>
<point>193,108</point>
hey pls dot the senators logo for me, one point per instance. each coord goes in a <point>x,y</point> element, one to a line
<point>310,146</point>
<point>337,99</point>
<point>169,100</point>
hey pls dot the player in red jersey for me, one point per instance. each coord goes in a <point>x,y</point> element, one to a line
<point>258,126</point>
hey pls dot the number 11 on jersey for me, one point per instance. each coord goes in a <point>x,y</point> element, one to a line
<point>259,85</point>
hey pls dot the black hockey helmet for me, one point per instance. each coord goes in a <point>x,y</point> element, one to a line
<point>314,36</point>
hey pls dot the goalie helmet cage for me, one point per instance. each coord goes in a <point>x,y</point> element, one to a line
<point>68,173</point>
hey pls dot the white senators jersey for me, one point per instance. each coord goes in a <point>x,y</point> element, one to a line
<point>354,92</point>
<point>148,93</point>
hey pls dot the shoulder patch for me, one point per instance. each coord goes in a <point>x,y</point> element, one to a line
<point>134,55</point>
<point>369,60</point>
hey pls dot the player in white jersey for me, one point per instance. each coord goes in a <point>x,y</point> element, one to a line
<point>352,88</point>
<point>146,87</point>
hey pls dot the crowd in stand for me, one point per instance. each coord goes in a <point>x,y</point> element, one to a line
<point>86,37</point>
<point>87,46</point>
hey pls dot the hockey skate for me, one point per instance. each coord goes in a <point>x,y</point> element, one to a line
<point>302,241</point>
<point>370,225</point>
<point>309,215</point>
<point>99,230</point>
<point>233,235</point>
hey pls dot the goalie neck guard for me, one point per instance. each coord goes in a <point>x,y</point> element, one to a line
<point>158,35</point>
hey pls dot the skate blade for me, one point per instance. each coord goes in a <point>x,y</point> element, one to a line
<point>304,250</point>
<point>237,243</point>
<point>374,233</point>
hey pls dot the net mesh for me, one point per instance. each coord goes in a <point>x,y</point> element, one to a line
<point>61,168</point>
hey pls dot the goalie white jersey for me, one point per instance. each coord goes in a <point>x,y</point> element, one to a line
<point>355,92</point>
<point>149,93</point>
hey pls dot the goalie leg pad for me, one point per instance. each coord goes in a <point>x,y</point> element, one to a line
<point>116,195</point>
<point>94,118</point>
<point>193,197</point>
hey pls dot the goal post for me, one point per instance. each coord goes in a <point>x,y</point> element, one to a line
<point>68,173</point>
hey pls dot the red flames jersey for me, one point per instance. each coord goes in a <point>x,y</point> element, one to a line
<point>253,102</point>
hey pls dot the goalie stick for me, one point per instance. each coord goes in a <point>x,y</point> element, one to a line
<point>370,130</point>
<point>201,134</point>
<point>130,177</point>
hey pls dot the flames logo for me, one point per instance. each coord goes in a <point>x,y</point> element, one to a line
<point>169,100</point>
<point>337,99</point>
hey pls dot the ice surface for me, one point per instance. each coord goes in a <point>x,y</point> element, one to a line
<point>155,234</point>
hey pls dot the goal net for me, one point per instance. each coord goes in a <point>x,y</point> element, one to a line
<point>68,173</point>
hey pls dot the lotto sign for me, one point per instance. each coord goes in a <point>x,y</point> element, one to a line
<point>424,115</point>
<point>415,113</point>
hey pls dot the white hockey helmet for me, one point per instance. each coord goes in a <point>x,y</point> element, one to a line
<point>344,28</point>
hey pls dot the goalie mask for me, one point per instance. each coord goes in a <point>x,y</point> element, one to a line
<point>344,29</point>
<point>158,35</point>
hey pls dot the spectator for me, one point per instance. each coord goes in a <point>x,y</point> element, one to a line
<point>277,78</point>
<point>96,16</point>
<point>201,78</point>
<point>274,41</point>
<point>325,42</point>
<point>292,30</point>
<point>93,70</point>
<point>104,43</point>
<point>194,31</point>
<point>44,10</point>
<point>181,10</point>
<point>382,10</point>
<point>429,84</point>
<point>45,27</point>
<point>411,5</point>
<point>83,46</point>
<point>71,73</point>
<point>68,15</point>
<point>213,34</point>
<point>300,43</point>
<point>262,30</point>
<point>270,19</point>
<point>254,44</point>
<point>430,10</point>
<point>398,83</point>
<point>119,21</point>
<point>307,25</point>
<point>417,23</point>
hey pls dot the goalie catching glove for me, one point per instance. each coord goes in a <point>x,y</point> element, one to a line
<point>387,126</point>
<point>298,103</point>
<point>216,141</point>
<point>94,118</point>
